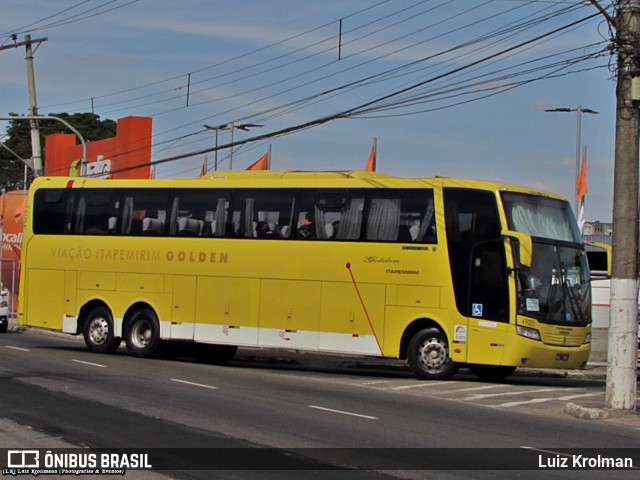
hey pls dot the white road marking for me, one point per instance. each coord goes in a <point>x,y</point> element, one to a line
<point>89,363</point>
<point>473,389</point>
<point>194,384</point>
<point>553,452</point>
<point>542,400</point>
<point>481,396</point>
<point>18,348</point>
<point>342,412</point>
<point>422,385</point>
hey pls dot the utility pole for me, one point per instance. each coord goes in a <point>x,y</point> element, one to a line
<point>36,150</point>
<point>623,319</point>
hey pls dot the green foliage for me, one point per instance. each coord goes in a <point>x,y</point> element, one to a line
<point>18,139</point>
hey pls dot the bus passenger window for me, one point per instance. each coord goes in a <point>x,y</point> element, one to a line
<point>94,210</point>
<point>262,213</point>
<point>404,216</point>
<point>52,210</point>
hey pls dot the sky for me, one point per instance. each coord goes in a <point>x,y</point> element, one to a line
<point>454,88</point>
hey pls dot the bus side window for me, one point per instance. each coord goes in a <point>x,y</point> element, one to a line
<point>329,215</point>
<point>199,213</point>
<point>404,216</point>
<point>95,208</point>
<point>144,212</point>
<point>53,211</point>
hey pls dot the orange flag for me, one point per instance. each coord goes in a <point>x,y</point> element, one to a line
<point>17,216</point>
<point>582,189</point>
<point>581,185</point>
<point>371,163</point>
<point>261,164</point>
<point>203,170</point>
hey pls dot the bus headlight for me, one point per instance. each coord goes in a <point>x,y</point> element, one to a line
<point>531,333</point>
<point>587,338</point>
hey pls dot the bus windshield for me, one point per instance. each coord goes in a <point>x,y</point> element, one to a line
<point>556,288</point>
<point>540,216</point>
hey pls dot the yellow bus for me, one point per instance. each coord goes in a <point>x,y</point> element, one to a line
<point>442,272</point>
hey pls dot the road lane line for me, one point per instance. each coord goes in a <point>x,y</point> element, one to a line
<point>88,363</point>
<point>547,399</point>
<point>194,384</point>
<point>571,397</point>
<point>423,384</point>
<point>481,396</point>
<point>474,389</point>
<point>368,417</point>
<point>18,348</point>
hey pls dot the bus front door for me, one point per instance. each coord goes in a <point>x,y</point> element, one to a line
<point>488,303</point>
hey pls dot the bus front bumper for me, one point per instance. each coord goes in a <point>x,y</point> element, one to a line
<point>535,354</point>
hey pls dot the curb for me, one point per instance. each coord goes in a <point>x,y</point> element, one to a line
<point>586,413</point>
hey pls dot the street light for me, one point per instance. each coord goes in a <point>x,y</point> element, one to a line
<point>229,126</point>
<point>580,110</point>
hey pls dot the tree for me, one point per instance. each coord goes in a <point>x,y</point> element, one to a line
<point>19,141</point>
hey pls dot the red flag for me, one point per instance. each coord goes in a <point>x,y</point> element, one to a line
<point>371,163</point>
<point>581,185</point>
<point>261,164</point>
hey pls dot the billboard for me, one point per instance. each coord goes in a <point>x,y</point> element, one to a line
<point>12,206</point>
<point>128,154</point>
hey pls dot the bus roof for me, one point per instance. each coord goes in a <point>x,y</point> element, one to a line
<point>291,178</point>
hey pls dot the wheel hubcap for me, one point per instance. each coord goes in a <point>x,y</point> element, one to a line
<point>99,330</point>
<point>433,354</point>
<point>141,334</point>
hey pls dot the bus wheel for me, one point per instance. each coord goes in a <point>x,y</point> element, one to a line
<point>142,333</point>
<point>428,355</point>
<point>491,373</point>
<point>98,331</point>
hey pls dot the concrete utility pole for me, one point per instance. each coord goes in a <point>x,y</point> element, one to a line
<point>36,150</point>
<point>623,319</point>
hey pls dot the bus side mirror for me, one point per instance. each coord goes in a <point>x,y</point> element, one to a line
<point>522,247</point>
<point>599,256</point>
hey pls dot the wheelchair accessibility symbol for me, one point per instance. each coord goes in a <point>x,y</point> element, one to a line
<point>476,310</point>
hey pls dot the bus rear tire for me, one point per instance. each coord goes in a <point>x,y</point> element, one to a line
<point>98,331</point>
<point>491,373</point>
<point>142,333</point>
<point>428,355</point>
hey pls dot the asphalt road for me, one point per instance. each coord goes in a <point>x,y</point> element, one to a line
<point>315,415</point>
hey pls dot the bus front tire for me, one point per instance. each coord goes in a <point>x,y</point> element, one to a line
<point>428,355</point>
<point>98,331</point>
<point>491,373</point>
<point>142,333</point>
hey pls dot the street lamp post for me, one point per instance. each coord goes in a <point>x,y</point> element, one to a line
<point>229,126</point>
<point>580,110</point>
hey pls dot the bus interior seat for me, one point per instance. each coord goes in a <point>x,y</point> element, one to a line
<point>209,228</point>
<point>284,231</point>
<point>404,234</point>
<point>111,224</point>
<point>152,226</point>
<point>413,231</point>
<point>190,227</point>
